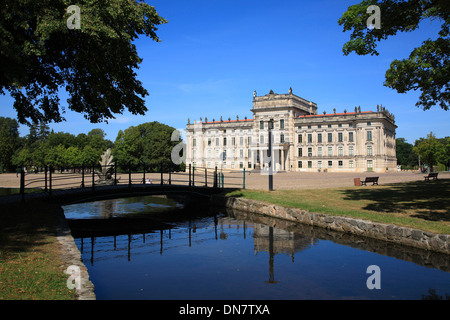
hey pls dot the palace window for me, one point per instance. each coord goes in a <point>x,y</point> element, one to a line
<point>194,142</point>
<point>330,151</point>
<point>350,164</point>
<point>300,164</point>
<point>261,124</point>
<point>340,139</point>
<point>281,138</point>
<point>281,123</point>
<point>224,141</point>
<point>319,138</point>
<point>310,164</point>
<point>350,137</point>
<point>369,135</point>
<point>319,151</point>
<point>330,164</point>
<point>309,138</point>
<point>309,152</point>
<point>369,165</point>
<point>350,150</point>
<point>300,138</point>
<point>330,137</point>
<point>340,151</point>
<point>340,164</point>
<point>369,151</point>
<point>300,152</point>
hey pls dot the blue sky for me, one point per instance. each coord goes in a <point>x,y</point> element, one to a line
<point>215,53</point>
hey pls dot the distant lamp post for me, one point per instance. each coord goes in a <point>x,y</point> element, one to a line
<point>270,127</point>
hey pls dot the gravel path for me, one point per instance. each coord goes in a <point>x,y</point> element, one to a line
<point>253,180</point>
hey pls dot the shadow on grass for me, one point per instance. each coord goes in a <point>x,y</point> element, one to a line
<point>420,199</point>
<point>26,226</point>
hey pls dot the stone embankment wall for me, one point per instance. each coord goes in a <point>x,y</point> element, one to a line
<point>387,232</point>
<point>71,256</point>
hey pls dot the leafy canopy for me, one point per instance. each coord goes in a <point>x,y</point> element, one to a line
<point>428,67</point>
<point>96,64</point>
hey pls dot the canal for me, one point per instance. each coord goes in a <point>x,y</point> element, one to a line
<point>151,247</point>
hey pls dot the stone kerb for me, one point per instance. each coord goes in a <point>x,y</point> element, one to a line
<point>386,232</point>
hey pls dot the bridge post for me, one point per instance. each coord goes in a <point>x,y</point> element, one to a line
<point>206,178</point>
<point>243,183</point>
<point>45,175</point>
<point>50,181</point>
<point>115,173</point>
<point>22,182</point>
<point>93,177</point>
<point>170,177</point>
<point>143,178</point>
<point>193,176</point>
<point>129,174</point>
<point>189,174</point>
<point>215,178</point>
<point>82,175</point>
<point>162,173</point>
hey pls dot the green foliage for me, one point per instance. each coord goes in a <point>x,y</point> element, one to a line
<point>9,141</point>
<point>432,150</point>
<point>95,64</point>
<point>428,67</point>
<point>405,154</point>
<point>148,143</point>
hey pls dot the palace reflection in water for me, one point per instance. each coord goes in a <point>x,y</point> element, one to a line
<point>226,254</point>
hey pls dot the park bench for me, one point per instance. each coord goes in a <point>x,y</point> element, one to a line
<point>432,175</point>
<point>374,181</point>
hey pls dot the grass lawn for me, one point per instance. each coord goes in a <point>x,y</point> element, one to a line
<point>419,204</point>
<point>30,264</point>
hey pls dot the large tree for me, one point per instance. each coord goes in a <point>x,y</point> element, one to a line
<point>9,141</point>
<point>428,149</point>
<point>40,55</point>
<point>148,143</point>
<point>405,154</point>
<point>427,69</point>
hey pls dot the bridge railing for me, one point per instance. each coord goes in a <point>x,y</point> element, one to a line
<point>50,178</point>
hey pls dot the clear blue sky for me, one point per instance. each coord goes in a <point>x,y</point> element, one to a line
<point>215,53</point>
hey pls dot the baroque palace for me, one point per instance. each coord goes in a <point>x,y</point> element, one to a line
<point>301,139</point>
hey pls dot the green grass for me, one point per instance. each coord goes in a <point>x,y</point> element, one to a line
<point>421,205</point>
<point>30,264</point>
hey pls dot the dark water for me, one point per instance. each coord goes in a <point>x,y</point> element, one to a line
<point>224,254</point>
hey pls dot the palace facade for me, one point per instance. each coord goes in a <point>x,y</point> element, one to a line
<point>301,139</point>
